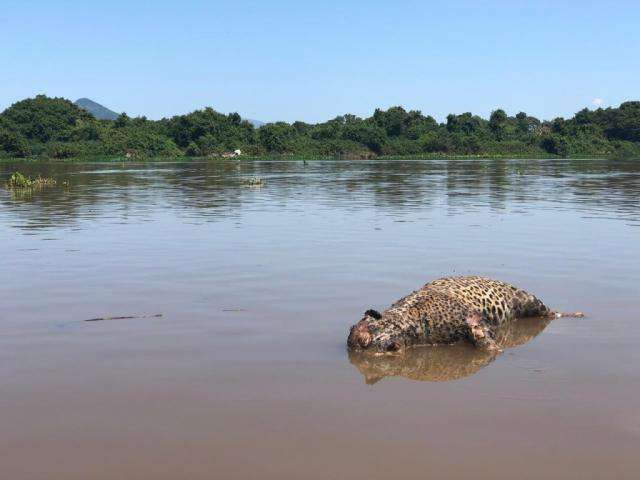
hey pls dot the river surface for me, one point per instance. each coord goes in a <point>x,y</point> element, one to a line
<point>246,374</point>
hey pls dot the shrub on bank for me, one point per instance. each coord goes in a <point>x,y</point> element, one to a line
<point>56,128</point>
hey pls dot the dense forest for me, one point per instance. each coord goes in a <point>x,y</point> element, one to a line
<point>57,128</point>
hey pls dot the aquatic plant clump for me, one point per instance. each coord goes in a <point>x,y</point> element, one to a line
<point>19,181</point>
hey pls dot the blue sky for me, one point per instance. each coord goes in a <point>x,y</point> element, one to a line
<point>289,60</point>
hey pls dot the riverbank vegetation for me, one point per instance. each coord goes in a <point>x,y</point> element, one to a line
<point>55,128</point>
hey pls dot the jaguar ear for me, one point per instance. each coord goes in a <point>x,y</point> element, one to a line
<point>373,313</point>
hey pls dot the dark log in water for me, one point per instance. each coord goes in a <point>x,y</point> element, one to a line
<point>124,317</point>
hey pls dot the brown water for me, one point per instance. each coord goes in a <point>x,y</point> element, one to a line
<point>247,376</point>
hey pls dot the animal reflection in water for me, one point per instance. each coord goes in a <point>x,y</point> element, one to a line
<point>447,362</point>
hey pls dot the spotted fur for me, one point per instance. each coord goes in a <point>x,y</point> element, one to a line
<point>443,312</point>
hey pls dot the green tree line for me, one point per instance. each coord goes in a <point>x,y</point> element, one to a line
<point>57,128</point>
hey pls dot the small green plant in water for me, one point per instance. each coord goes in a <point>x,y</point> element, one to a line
<point>18,181</point>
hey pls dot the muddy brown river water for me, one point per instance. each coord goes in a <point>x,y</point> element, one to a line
<point>246,374</point>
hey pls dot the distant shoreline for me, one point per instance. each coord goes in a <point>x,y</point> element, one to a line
<point>44,127</point>
<point>290,158</point>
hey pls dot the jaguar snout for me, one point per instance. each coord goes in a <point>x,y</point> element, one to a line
<point>359,335</point>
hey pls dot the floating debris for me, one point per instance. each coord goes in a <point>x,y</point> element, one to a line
<point>124,317</point>
<point>253,182</point>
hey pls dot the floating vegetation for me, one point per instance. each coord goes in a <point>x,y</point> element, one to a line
<point>23,187</point>
<point>253,182</point>
<point>18,181</point>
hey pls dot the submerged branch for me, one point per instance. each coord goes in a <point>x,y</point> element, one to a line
<point>124,317</point>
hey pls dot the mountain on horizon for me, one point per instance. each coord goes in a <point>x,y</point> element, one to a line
<point>103,113</point>
<point>255,123</point>
<point>95,109</point>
